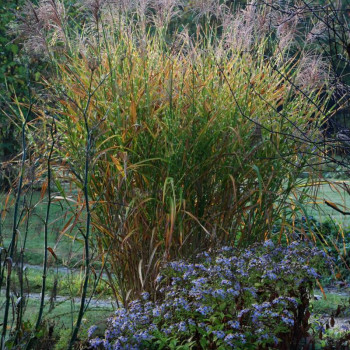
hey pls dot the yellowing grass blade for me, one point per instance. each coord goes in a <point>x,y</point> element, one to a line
<point>118,165</point>
<point>321,288</point>
<point>133,112</point>
<point>43,189</point>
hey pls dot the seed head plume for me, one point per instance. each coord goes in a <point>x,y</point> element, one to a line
<point>313,72</point>
<point>165,11</point>
<point>318,32</point>
<point>93,6</point>
<point>29,29</point>
<point>204,8</point>
<point>242,29</point>
<point>41,27</point>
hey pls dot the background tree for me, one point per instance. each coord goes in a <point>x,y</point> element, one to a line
<point>12,82</point>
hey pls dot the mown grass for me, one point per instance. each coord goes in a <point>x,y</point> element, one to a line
<point>328,190</point>
<point>61,320</point>
<point>60,283</point>
<point>329,304</point>
<point>68,250</point>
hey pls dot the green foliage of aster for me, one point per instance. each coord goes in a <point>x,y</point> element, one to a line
<point>228,299</point>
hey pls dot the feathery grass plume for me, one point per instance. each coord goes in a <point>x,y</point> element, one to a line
<point>287,31</point>
<point>208,8</point>
<point>188,148</point>
<point>246,28</point>
<point>313,72</point>
<point>51,14</point>
<point>29,28</point>
<point>317,32</point>
<point>41,27</point>
<point>164,11</point>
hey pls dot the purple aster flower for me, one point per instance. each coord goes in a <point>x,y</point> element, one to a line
<point>234,324</point>
<point>204,310</point>
<point>182,327</point>
<point>219,334</point>
<point>269,244</point>
<point>145,296</point>
<point>91,331</point>
<point>95,343</point>
<point>288,321</point>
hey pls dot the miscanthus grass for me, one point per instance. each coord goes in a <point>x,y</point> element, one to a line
<point>183,127</point>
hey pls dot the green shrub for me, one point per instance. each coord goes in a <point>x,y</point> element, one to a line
<point>329,236</point>
<point>256,299</point>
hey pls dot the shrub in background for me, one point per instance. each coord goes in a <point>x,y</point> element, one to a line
<point>255,299</point>
<point>327,235</point>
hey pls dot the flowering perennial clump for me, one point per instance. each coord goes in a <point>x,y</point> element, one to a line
<point>226,299</point>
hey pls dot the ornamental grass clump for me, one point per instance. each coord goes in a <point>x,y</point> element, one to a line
<point>175,139</point>
<point>258,298</point>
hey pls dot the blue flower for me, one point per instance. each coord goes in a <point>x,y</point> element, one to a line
<point>181,303</point>
<point>219,293</point>
<point>145,296</point>
<point>288,321</point>
<point>233,292</point>
<point>182,327</point>
<point>270,275</point>
<point>226,283</point>
<point>199,281</point>
<point>204,310</point>
<point>168,315</point>
<point>229,339</point>
<point>91,330</point>
<point>191,322</point>
<point>159,278</point>
<point>95,343</point>
<point>219,334</point>
<point>243,312</point>
<point>264,336</point>
<point>156,312</point>
<point>269,244</point>
<point>234,324</point>
<point>191,289</point>
<point>255,316</point>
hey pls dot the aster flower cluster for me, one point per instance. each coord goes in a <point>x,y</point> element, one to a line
<point>224,300</point>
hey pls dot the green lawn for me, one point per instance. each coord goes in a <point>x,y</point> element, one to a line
<point>67,249</point>
<point>61,318</point>
<point>329,305</point>
<point>67,283</point>
<point>331,192</point>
